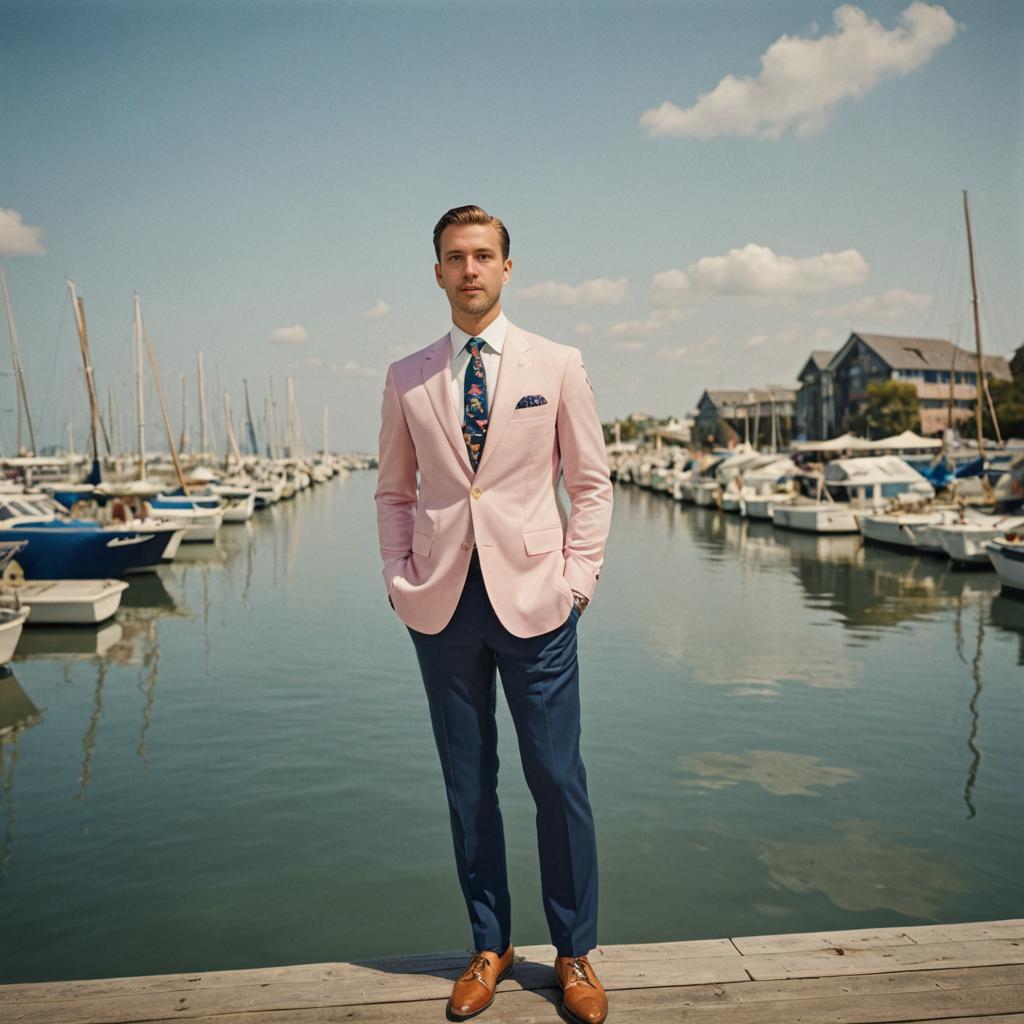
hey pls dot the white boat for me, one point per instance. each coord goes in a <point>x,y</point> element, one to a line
<point>11,622</point>
<point>769,476</point>
<point>200,520</point>
<point>857,487</point>
<point>815,516</point>
<point>1007,557</point>
<point>706,491</point>
<point>70,602</point>
<point>965,542</point>
<point>915,531</point>
<point>240,503</point>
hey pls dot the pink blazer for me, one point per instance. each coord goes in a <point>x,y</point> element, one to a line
<point>531,554</point>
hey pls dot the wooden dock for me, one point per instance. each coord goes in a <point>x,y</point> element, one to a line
<point>939,973</point>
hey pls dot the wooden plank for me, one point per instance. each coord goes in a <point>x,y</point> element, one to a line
<point>939,973</point>
<point>871,937</point>
<point>916,957</point>
<point>311,974</point>
<point>316,1006</point>
<point>348,986</point>
<point>670,1005</point>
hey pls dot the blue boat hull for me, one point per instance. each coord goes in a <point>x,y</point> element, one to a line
<point>84,554</point>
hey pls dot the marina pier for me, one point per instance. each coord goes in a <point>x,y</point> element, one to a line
<point>937,973</point>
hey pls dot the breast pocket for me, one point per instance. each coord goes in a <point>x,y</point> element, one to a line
<point>531,412</point>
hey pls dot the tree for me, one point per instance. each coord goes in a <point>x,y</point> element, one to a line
<point>891,408</point>
<point>1008,398</point>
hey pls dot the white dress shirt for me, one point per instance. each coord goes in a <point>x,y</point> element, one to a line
<point>493,336</point>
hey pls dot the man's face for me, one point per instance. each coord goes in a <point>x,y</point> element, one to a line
<point>471,270</point>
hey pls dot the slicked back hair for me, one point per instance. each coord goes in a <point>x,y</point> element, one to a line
<point>470,215</point>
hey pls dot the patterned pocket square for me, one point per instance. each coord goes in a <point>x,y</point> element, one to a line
<point>527,401</point>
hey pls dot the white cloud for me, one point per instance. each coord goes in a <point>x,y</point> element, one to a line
<point>802,79</point>
<point>894,304</point>
<point>18,238</point>
<point>377,310</point>
<point>354,369</point>
<point>294,335</point>
<point>673,354</point>
<point>583,329</point>
<point>755,270</point>
<point>601,291</point>
<point>656,322</point>
<point>629,346</point>
<point>794,335</point>
<point>347,369</point>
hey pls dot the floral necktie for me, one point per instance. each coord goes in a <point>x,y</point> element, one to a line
<point>474,416</point>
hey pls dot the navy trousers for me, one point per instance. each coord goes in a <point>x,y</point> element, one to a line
<point>540,677</point>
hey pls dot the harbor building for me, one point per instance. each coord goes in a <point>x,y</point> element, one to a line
<point>940,372</point>
<point>760,416</point>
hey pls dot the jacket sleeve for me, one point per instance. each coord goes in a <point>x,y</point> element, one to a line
<point>396,483</point>
<point>586,475</point>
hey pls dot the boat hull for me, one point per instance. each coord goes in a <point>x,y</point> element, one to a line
<point>71,602</point>
<point>11,625</point>
<point>816,518</point>
<point>1008,561</point>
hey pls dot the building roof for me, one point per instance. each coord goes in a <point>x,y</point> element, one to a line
<point>748,395</point>
<point>925,354</point>
<point>821,357</point>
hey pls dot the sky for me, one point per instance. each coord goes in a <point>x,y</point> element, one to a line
<point>698,193</point>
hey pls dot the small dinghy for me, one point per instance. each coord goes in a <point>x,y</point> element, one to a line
<point>11,623</point>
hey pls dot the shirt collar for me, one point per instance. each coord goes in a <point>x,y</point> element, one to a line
<point>493,334</point>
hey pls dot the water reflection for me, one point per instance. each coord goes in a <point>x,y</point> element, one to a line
<point>863,870</point>
<point>1007,615</point>
<point>776,771</point>
<point>17,713</point>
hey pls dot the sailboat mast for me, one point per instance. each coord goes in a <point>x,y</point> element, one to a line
<point>78,305</point>
<point>977,327</point>
<point>166,415</point>
<point>202,404</point>
<point>273,422</point>
<point>140,410</point>
<point>183,441</point>
<point>248,416</point>
<point>233,451</point>
<point>19,372</point>
<point>325,430</point>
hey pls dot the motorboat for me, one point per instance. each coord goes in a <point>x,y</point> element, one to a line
<point>846,488</point>
<point>1007,556</point>
<point>965,540</point>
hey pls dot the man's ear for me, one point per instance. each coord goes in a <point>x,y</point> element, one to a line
<point>508,272</point>
<point>437,275</point>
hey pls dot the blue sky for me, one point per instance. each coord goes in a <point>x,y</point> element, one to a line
<point>249,167</point>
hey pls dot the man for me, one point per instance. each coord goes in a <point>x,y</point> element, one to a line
<point>487,574</point>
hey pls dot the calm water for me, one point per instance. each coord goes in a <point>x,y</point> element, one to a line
<point>782,734</point>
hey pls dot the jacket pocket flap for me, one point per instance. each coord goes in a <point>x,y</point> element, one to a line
<point>539,541</point>
<point>421,543</point>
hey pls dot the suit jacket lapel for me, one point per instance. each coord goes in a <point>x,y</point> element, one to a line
<point>516,360</point>
<point>436,383</point>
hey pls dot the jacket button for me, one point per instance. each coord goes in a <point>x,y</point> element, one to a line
<point>476,492</point>
<point>465,546</point>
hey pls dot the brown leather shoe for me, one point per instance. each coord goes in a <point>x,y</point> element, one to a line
<point>583,997</point>
<point>473,992</point>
